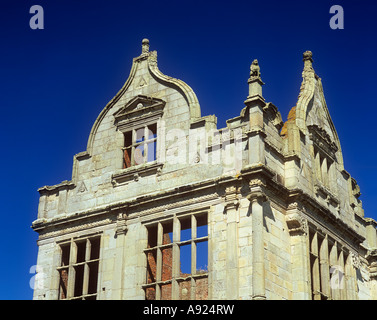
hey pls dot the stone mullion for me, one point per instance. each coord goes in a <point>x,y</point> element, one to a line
<point>86,268</point>
<point>145,144</point>
<point>176,258</point>
<point>159,260</point>
<point>333,257</point>
<point>193,256</point>
<point>348,278</point>
<point>72,272</point>
<point>316,281</point>
<point>325,267</point>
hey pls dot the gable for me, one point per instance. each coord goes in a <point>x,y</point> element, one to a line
<point>318,115</point>
<point>147,87</point>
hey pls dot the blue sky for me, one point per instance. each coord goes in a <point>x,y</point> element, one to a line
<point>54,82</point>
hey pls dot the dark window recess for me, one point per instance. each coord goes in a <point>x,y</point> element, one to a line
<point>78,271</point>
<point>140,146</point>
<point>177,259</point>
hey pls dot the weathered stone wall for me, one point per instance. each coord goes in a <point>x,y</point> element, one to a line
<point>263,185</point>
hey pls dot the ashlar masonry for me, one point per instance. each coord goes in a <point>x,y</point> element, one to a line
<point>165,205</point>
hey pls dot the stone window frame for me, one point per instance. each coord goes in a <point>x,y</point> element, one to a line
<point>147,111</point>
<point>324,156</point>
<point>324,166</point>
<point>76,259</point>
<point>132,144</point>
<point>173,286</point>
<point>332,270</point>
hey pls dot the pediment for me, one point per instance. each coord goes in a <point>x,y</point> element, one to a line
<point>139,106</point>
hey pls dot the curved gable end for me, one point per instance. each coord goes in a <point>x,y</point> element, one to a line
<point>146,79</point>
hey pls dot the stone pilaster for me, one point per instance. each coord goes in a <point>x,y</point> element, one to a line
<point>255,103</point>
<point>120,234</point>
<point>257,198</point>
<point>298,230</point>
<point>232,218</point>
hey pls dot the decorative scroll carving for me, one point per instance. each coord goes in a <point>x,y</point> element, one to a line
<point>355,260</point>
<point>322,139</point>
<point>274,115</point>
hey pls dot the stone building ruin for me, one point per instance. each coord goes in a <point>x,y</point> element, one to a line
<point>164,205</point>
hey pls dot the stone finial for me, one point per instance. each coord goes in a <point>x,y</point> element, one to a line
<point>255,69</point>
<point>145,46</point>
<point>255,81</point>
<point>307,57</point>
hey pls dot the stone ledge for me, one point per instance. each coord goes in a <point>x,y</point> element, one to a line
<point>134,173</point>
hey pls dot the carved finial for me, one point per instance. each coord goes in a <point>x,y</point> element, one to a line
<point>145,46</point>
<point>308,55</point>
<point>255,69</point>
<point>255,81</point>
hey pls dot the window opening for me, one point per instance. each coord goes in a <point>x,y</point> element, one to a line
<point>177,259</point>
<point>78,270</point>
<point>140,146</point>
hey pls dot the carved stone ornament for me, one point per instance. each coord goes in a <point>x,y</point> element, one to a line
<point>138,107</point>
<point>121,224</point>
<point>255,69</point>
<point>323,140</point>
<point>145,46</point>
<point>355,260</point>
<point>257,195</point>
<point>307,55</point>
<point>153,59</point>
<point>197,158</point>
<point>372,260</point>
<point>82,188</point>
<point>297,224</point>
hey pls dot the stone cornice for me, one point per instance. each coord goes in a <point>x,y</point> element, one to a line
<point>333,224</point>
<point>40,225</point>
<point>64,185</point>
<point>256,177</point>
<point>134,173</point>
